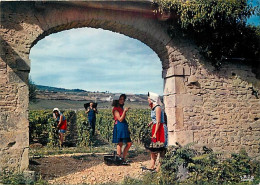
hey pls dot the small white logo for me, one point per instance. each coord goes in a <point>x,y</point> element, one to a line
<point>247,178</point>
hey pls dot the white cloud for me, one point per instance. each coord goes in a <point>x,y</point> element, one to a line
<point>96,60</point>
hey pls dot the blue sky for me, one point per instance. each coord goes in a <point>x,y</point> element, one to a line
<point>96,60</point>
<point>255,19</point>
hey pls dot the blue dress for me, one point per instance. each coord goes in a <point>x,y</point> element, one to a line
<point>120,132</point>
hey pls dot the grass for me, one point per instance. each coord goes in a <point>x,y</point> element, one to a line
<point>18,178</point>
<point>56,150</point>
<point>135,150</point>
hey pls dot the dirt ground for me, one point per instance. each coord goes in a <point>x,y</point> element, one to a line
<point>87,168</point>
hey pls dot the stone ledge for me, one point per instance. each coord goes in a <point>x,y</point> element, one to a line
<point>176,71</point>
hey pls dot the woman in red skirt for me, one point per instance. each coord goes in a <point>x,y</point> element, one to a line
<point>159,129</point>
<point>62,124</point>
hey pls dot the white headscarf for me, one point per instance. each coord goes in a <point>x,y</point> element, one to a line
<point>155,98</point>
<point>55,109</point>
<point>116,97</point>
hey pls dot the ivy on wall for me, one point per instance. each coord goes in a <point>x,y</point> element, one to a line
<point>218,27</point>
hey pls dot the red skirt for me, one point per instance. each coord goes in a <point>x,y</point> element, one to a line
<point>63,125</point>
<point>159,135</point>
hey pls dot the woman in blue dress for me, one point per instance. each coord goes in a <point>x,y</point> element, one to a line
<point>121,132</point>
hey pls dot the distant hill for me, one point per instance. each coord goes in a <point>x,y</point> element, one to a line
<point>56,89</point>
<point>50,97</point>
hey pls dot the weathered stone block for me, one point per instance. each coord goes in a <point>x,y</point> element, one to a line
<point>187,70</point>
<point>255,126</point>
<point>179,118</point>
<point>3,80</point>
<point>2,65</point>
<point>184,137</point>
<point>23,65</point>
<point>169,101</point>
<point>171,138</point>
<point>17,77</point>
<point>171,118</point>
<point>186,100</point>
<point>196,128</point>
<point>169,86</point>
<point>179,85</point>
<point>24,159</point>
<point>176,70</point>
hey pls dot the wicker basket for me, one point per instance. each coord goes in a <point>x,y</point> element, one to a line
<point>154,147</point>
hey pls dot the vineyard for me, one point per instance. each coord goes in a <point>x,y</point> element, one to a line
<point>201,166</point>
<point>43,128</point>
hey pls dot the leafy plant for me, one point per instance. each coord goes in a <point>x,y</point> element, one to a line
<point>32,91</point>
<point>206,167</point>
<point>39,126</point>
<point>217,26</point>
<point>53,140</point>
<point>84,130</point>
<point>43,128</point>
<point>201,167</point>
<point>105,124</point>
<point>18,178</point>
<point>176,157</point>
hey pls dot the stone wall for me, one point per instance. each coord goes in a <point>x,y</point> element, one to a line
<point>215,108</point>
<point>227,115</point>
<point>14,132</point>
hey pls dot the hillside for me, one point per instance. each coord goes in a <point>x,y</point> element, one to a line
<point>50,97</point>
<point>56,89</point>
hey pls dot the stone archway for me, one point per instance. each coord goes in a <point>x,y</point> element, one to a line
<point>190,85</point>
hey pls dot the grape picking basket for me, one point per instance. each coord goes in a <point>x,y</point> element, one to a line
<point>113,160</point>
<point>155,147</point>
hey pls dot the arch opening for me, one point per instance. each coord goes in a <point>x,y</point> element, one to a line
<point>98,56</point>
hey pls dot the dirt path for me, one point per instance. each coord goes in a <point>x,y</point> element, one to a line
<point>89,169</point>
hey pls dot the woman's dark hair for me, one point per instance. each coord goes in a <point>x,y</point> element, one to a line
<point>123,95</point>
<point>115,103</point>
<point>56,111</point>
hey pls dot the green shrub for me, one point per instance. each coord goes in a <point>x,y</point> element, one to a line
<point>105,124</point>
<point>175,157</point>
<point>39,126</point>
<point>207,167</point>
<point>148,178</point>
<point>218,27</point>
<point>84,130</point>
<point>18,178</point>
<point>43,128</point>
<point>53,139</point>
